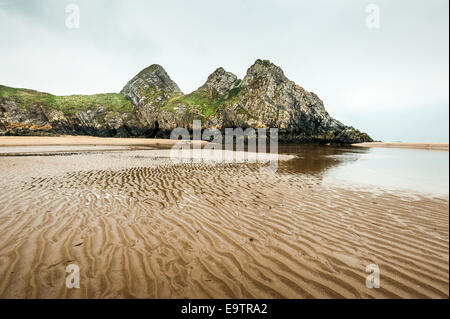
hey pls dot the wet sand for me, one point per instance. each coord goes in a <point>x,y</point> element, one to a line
<point>425,146</point>
<point>70,140</point>
<point>141,226</point>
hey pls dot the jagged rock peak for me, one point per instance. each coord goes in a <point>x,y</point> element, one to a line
<point>154,77</point>
<point>220,81</point>
<point>264,69</point>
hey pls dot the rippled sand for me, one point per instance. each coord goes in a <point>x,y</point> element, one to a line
<point>139,225</point>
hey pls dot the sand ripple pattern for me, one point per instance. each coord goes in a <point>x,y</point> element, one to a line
<point>225,231</point>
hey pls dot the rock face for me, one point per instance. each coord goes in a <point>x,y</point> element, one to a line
<point>272,99</point>
<point>219,81</point>
<point>151,104</point>
<point>153,78</point>
<point>266,98</point>
<point>27,112</point>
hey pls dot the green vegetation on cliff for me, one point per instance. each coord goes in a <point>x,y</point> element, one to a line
<point>68,104</point>
<point>207,102</point>
<point>202,101</point>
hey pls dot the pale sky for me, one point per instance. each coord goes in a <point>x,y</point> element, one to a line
<point>391,82</point>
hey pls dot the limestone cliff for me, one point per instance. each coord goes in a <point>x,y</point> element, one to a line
<point>152,104</point>
<point>28,112</point>
<point>266,98</point>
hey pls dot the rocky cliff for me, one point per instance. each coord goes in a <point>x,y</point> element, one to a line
<point>152,104</point>
<point>28,112</point>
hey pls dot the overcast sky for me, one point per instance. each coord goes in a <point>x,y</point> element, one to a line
<point>391,82</point>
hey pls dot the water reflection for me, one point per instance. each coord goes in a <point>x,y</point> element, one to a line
<point>315,159</point>
<point>421,171</point>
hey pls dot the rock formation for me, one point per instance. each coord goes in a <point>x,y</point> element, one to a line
<point>152,104</point>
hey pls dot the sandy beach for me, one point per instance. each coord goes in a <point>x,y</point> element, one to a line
<point>68,140</point>
<point>141,226</point>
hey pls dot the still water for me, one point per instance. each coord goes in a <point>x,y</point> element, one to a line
<point>409,170</point>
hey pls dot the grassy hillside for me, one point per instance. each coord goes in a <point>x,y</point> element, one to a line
<point>67,104</point>
<point>206,102</point>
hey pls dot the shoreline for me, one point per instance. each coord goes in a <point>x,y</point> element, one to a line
<point>409,145</point>
<point>84,140</point>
